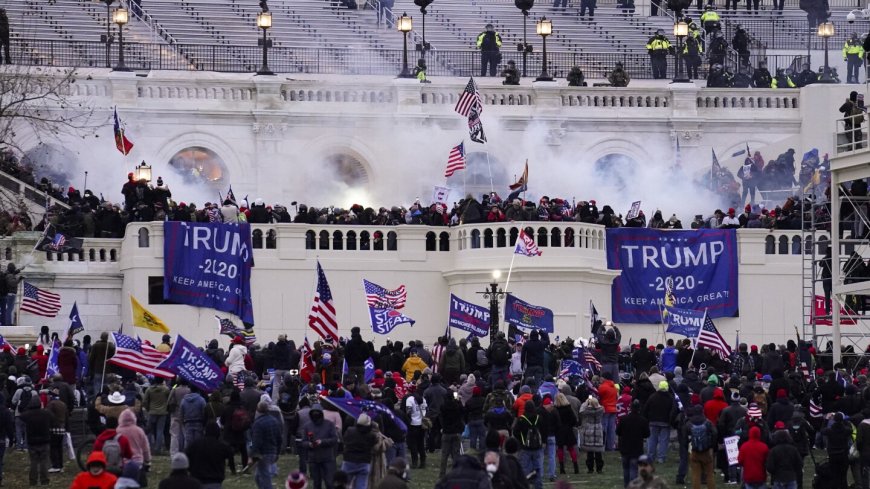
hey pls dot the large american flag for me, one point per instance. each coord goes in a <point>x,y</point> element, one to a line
<point>469,99</point>
<point>709,336</point>
<point>40,302</point>
<point>456,160</point>
<point>133,354</point>
<point>322,318</point>
<point>377,296</point>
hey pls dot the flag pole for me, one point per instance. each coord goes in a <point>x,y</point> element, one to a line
<point>511,268</point>
<point>695,350</point>
<point>489,167</point>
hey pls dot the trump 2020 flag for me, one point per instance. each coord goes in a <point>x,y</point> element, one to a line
<point>685,322</point>
<point>570,368</point>
<point>369,367</point>
<point>355,407</point>
<point>468,317</point>
<point>385,319</point>
<point>527,316</point>
<point>75,321</point>
<point>526,245</point>
<point>52,367</point>
<point>188,362</point>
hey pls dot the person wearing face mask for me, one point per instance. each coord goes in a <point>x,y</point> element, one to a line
<point>397,475</point>
<point>646,478</point>
<point>320,438</point>
<point>498,475</point>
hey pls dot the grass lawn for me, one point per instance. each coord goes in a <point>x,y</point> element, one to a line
<point>16,466</point>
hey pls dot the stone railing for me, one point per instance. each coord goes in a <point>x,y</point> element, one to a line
<point>748,99</point>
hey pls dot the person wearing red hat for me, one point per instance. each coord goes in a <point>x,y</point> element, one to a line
<point>730,221</point>
<point>781,410</point>
<point>753,457</point>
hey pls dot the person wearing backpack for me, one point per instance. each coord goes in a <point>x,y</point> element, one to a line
<point>452,363</point>
<point>702,437</point>
<point>114,446</point>
<point>499,354</point>
<point>37,422</point>
<point>20,401</point>
<point>531,455</point>
<point>232,420</point>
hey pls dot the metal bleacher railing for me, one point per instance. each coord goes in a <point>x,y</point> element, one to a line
<point>243,59</point>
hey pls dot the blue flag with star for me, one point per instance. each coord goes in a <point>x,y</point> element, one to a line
<point>701,264</point>
<point>75,321</point>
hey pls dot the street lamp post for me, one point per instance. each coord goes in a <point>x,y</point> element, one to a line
<point>107,38</point>
<point>826,30</point>
<point>143,172</point>
<point>525,47</point>
<point>493,293</point>
<point>120,17</point>
<point>544,28</point>
<point>404,24</point>
<point>264,21</point>
<point>423,46</point>
<point>681,30</point>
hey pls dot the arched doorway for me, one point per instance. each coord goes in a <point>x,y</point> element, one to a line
<point>476,178</point>
<point>199,165</point>
<point>617,170</point>
<point>347,169</point>
<point>58,164</point>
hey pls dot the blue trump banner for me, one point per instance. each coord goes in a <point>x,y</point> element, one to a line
<point>468,317</point>
<point>355,407</point>
<point>685,322</point>
<point>699,266</point>
<point>527,316</point>
<point>209,265</point>
<point>188,362</point>
<point>385,319</point>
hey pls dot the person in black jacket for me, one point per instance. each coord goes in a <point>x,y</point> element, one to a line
<point>356,354</point>
<point>208,456</point>
<point>533,357</point>
<point>359,440</point>
<point>642,359</point>
<point>37,422</point>
<point>452,426</point>
<point>659,410</point>
<point>838,437</point>
<point>632,429</point>
<point>784,462</point>
<point>608,340</point>
<point>467,473</point>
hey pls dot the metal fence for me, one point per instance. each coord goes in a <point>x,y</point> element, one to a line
<point>247,59</point>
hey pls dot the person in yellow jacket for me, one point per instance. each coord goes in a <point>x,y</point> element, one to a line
<point>853,55</point>
<point>489,43</point>
<point>658,48</point>
<point>413,364</point>
<point>710,20</point>
<point>782,79</point>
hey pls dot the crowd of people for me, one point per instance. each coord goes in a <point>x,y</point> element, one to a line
<point>512,414</point>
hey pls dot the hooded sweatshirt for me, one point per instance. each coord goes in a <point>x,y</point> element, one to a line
<point>753,456</point>
<point>714,407</point>
<point>84,480</point>
<point>135,436</point>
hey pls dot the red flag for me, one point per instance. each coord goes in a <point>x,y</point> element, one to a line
<point>306,362</point>
<point>121,142</point>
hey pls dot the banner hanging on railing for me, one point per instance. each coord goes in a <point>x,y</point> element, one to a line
<point>209,265</point>
<point>701,265</point>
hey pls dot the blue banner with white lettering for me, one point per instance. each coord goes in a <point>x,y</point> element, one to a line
<point>699,265</point>
<point>468,317</point>
<point>209,265</point>
<point>527,316</point>
<point>685,322</point>
<point>384,319</point>
<point>188,362</point>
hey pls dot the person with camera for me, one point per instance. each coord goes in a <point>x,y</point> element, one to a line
<point>489,43</point>
<point>320,438</point>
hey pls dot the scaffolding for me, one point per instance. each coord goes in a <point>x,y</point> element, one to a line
<point>836,245</point>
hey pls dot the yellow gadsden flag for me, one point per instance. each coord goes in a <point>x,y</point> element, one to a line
<point>144,319</point>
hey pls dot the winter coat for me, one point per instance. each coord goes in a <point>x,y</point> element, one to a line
<point>659,408</point>
<point>784,462</point>
<point>592,434</point>
<point>467,473</point>
<point>235,361</point>
<point>358,444</point>
<point>265,436</point>
<point>567,420</point>
<point>192,408</point>
<point>156,400</point>
<point>608,394</point>
<point>327,435</point>
<point>67,363</point>
<point>37,422</point>
<point>752,457</point>
<point>135,436</point>
<point>208,457</point>
<point>84,480</point>
<point>781,410</point>
<point>632,430</point>
<point>451,417</point>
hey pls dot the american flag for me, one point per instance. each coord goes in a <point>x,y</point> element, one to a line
<point>475,126</point>
<point>805,371</point>
<point>58,242</point>
<point>570,368</point>
<point>322,317</point>
<point>39,302</point>
<point>229,328</point>
<point>587,360</point>
<point>456,160</point>
<point>133,354</point>
<point>377,296</point>
<point>709,336</point>
<point>526,245</point>
<point>815,409</point>
<point>714,171</point>
<point>469,99</point>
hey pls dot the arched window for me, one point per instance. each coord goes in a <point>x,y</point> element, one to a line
<point>113,255</point>
<point>102,255</point>
<point>92,255</point>
<point>796,245</point>
<point>513,238</point>
<point>310,240</point>
<point>569,238</point>
<point>542,237</point>
<point>345,169</point>
<point>365,243</point>
<point>392,241</point>
<point>257,238</point>
<point>197,165</point>
<point>444,241</point>
<point>324,240</point>
<point>783,245</point>
<point>501,238</point>
<point>351,240</point>
<point>556,240</point>
<point>475,238</point>
<point>271,239</point>
<point>379,241</point>
<point>487,238</point>
<point>769,245</point>
<point>430,241</point>
<point>337,240</point>
<point>144,238</point>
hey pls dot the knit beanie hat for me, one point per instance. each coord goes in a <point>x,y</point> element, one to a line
<point>297,480</point>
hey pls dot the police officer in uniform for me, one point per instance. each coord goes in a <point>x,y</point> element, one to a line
<point>783,79</point>
<point>761,76</point>
<point>853,55</point>
<point>693,49</point>
<point>658,48</point>
<point>489,43</point>
<point>710,20</point>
